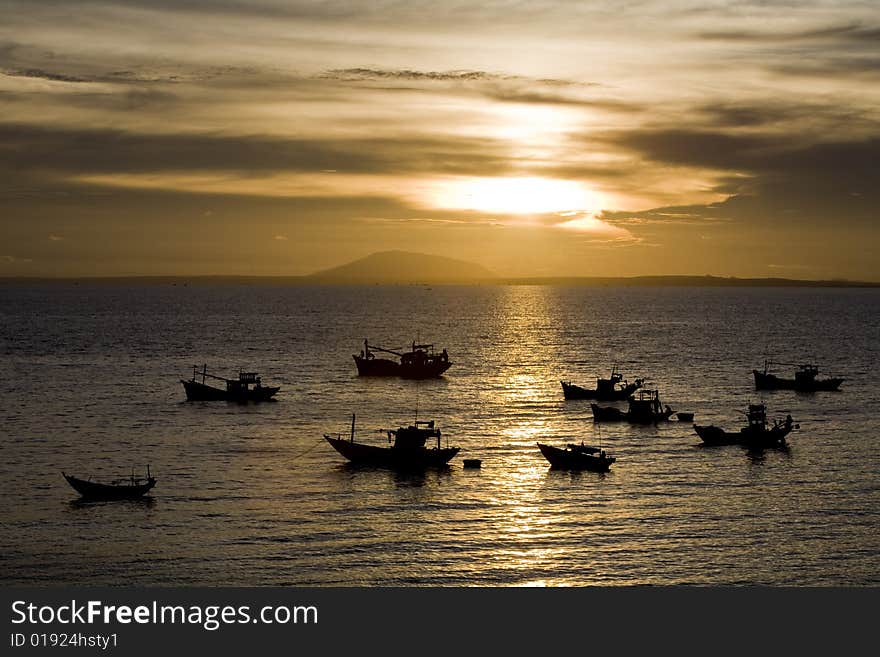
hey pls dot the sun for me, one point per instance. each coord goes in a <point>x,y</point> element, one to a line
<point>524,195</point>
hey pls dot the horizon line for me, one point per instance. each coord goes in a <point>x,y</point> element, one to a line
<point>679,280</point>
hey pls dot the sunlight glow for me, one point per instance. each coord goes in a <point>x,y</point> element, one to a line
<point>530,195</point>
<point>587,223</point>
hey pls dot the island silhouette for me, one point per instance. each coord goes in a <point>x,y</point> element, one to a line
<point>412,268</point>
<point>403,267</point>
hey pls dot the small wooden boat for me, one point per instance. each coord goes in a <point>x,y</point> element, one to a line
<point>806,379</point>
<point>420,362</point>
<point>684,417</point>
<point>643,409</point>
<point>406,449</point>
<point>755,435</point>
<point>128,488</point>
<point>247,387</point>
<point>614,388</point>
<point>577,457</point>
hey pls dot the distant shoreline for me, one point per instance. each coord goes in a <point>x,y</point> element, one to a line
<point>572,281</point>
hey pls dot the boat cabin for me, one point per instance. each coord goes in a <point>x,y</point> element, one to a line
<point>806,374</point>
<point>757,417</point>
<point>245,379</point>
<point>415,435</point>
<point>647,402</point>
<point>608,386</point>
<point>421,354</point>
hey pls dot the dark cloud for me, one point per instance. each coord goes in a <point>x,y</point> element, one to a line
<point>832,66</point>
<point>44,75</point>
<point>368,74</point>
<point>354,74</point>
<point>849,32</point>
<point>746,115</point>
<point>779,113</point>
<point>30,149</point>
<point>528,96</point>
<point>144,74</point>
<point>765,154</point>
<point>780,179</point>
<point>127,100</point>
<point>494,86</point>
<point>700,148</point>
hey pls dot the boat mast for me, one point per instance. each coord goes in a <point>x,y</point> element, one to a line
<point>417,405</point>
<point>352,427</point>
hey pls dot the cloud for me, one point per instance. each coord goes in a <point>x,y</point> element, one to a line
<point>785,179</point>
<point>44,75</point>
<point>530,96</point>
<point>594,225</point>
<point>825,67</point>
<point>358,74</point>
<point>849,32</point>
<point>84,151</point>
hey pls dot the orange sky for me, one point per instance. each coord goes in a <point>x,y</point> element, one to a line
<point>541,138</point>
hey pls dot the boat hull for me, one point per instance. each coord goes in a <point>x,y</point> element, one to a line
<point>767,381</point>
<point>568,459</point>
<point>765,439</point>
<point>91,490</point>
<point>376,367</point>
<point>403,458</point>
<point>571,392</point>
<point>429,370</point>
<point>196,391</point>
<point>384,367</point>
<point>607,413</point>
<point>612,414</point>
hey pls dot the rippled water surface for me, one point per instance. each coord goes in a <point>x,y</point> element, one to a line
<point>251,495</point>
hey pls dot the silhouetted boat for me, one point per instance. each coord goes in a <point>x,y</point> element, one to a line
<point>406,451</point>
<point>120,489</point>
<point>614,388</point>
<point>577,457</point>
<point>420,362</point>
<point>247,387</point>
<point>805,379</point>
<point>644,408</point>
<point>756,434</point>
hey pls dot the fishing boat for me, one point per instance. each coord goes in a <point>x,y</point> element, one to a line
<point>420,362</point>
<point>644,408</point>
<point>757,434</point>
<point>614,388</point>
<point>806,379</point>
<point>128,488</point>
<point>247,387</point>
<point>406,449</point>
<point>577,457</point>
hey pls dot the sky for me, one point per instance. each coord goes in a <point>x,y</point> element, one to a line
<point>536,138</point>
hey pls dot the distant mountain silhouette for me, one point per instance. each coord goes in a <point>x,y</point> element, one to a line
<point>404,267</point>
